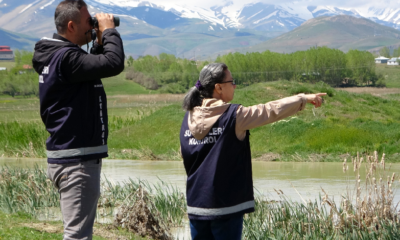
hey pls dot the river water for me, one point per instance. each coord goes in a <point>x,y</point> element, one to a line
<point>294,179</point>
<point>297,180</point>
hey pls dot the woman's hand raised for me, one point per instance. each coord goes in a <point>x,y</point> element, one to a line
<point>315,99</point>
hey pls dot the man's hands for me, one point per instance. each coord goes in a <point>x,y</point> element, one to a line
<point>105,21</point>
<point>315,99</point>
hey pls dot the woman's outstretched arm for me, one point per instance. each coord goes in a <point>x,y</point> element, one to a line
<point>262,114</point>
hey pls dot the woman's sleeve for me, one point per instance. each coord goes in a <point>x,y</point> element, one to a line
<point>262,114</point>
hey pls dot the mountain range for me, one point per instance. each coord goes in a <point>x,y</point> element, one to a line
<point>341,32</point>
<point>188,31</point>
<point>16,40</point>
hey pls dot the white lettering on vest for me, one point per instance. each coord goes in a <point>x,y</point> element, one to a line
<point>206,140</point>
<point>45,70</point>
<point>188,133</point>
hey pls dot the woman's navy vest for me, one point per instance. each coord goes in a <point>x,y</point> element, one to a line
<point>219,183</point>
<point>75,114</point>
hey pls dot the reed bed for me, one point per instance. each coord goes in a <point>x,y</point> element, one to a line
<point>168,200</point>
<point>366,210</point>
<point>24,190</point>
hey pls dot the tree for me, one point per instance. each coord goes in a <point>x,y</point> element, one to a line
<point>385,52</point>
<point>130,61</point>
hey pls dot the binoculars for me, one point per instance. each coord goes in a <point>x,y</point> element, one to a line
<point>95,23</point>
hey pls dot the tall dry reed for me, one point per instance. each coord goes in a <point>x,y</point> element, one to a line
<point>366,210</point>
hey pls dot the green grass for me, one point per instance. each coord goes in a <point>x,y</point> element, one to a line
<point>391,74</point>
<point>8,65</point>
<point>148,128</point>
<point>118,85</point>
<point>17,227</point>
<point>346,123</point>
<point>12,228</point>
<point>19,109</point>
<point>158,133</point>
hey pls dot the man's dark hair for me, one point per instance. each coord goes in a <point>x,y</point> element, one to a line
<point>68,10</point>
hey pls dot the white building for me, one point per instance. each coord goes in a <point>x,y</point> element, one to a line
<point>381,60</point>
<point>6,54</point>
<point>393,61</point>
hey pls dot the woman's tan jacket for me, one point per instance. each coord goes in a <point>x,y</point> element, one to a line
<point>202,118</point>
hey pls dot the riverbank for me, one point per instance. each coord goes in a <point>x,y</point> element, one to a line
<point>369,212</point>
<point>24,226</point>
<point>146,127</point>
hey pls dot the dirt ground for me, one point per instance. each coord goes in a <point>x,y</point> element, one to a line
<point>372,90</point>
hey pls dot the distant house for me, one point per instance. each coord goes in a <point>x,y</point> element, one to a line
<point>26,66</point>
<point>393,61</point>
<point>381,60</point>
<point>6,54</point>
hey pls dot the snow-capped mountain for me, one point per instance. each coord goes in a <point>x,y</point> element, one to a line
<point>266,17</point>
<point>318,11</point>
<point>259,16</point>
<point>151,28</point>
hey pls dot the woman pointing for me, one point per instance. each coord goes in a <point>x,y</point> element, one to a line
<point>215,148</point>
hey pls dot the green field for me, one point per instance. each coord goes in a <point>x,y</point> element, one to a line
<point>8,65</point>
<point>391,74</point>
<point>118,85</point>
<point>23,226</point>
<point>145,125</point>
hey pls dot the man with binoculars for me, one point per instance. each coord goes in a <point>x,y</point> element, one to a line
<point>73,108</point>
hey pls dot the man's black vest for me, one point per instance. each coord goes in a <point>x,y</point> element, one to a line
<point>219,183</point>
<point>75,114</point>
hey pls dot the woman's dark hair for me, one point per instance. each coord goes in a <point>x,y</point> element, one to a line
<point>68,10</point>
<point>210,75</point>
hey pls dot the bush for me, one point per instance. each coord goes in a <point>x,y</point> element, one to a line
<point>142,79</point>
<point>15,84</point>
<point>380,83</point>
<point>173,88</point>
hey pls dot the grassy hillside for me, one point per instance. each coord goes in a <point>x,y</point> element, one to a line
<point>347,123</point>
<point>342,32</point>
<point>147,126</point>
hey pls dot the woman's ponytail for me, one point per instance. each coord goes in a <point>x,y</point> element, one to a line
<point>210,75</point>
<point>192,99</point>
